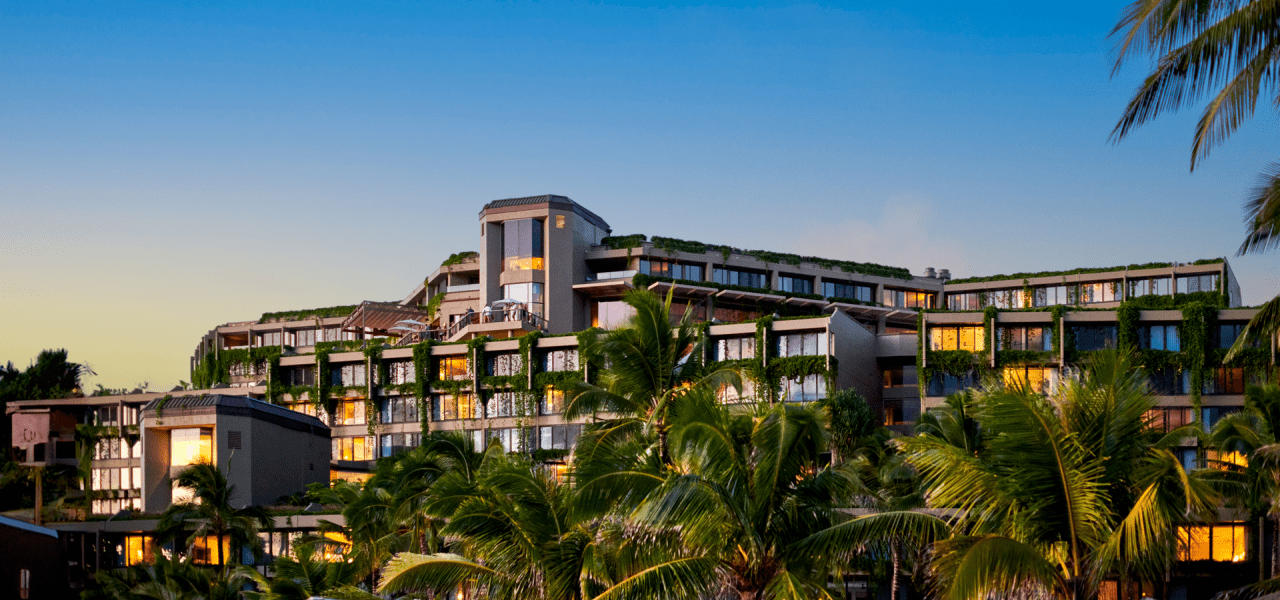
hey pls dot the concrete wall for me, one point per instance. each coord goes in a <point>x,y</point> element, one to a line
<point>281,461</point>
<point>855,348</point>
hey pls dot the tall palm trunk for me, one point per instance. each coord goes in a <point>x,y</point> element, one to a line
<point>897,569</point>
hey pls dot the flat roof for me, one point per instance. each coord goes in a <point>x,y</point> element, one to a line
<point>219,403</point>
<point>551,199</point>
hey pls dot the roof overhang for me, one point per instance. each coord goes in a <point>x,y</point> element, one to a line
<point>380,317</point>
<point>683,290</point>
<point>873,312</point>
<point>805,302</point>
<point>611,287</point>
<point>749,296</point>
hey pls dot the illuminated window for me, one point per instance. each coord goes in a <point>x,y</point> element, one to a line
<point>24,583</point>
<point>1218,543</point>
<point>448,407</point>
<point>672,269</point>
<point>552,402</point>
<point>972,339</point>
<point>522,245</point>
<point>205,550</point>
<point>190,447</point>
<point>138,549</point>
<point>1217,459</point>
<point>453,367</point>
<point>1168,419</point>
<point>559,221</point>
<point>1037,379</point>
<point>353,448</point>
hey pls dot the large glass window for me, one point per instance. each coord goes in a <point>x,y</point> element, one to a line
<point>972,339</point>
<point>401,371</point>
<point>904,376</point>
<point>739,278</point>
<point>795,285</point>
<point>560,360</point>
<point>1159,337</point>
<point>1198,283</point>
<point>1153,286</point>
<point>514,439</point>
<point>1039,339</point>
<point>353,448</point>
<point>802,344</point>
<point>945,384</point>
<point>728,394</point>
<point>735,348</point>
<point>395,443</point>
<point>907,299</point>
<point>552,402</point>
<point>462,406</point>
<point>611,314</point>
<point>1218,543</point>
<point>850,291</point>
<point>1038,379</point>
<point>506,364</point>
<point>809,388</point>
<point>402,409</point>
<point>558,437</point>
<point>453,368</point>
<point>500,404</point>
<point>672,269</point>
<point>190,446</point>
<point>1168,419</point>
<point>1106,291</point>
<point>1224,380</point>
<point>528,294</point>
<point>1094,337</point>
<point>522,245</point>
<point>1169,382</point>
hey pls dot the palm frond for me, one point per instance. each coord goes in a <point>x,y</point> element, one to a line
<point>439,573</point>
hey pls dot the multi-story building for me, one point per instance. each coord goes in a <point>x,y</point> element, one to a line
<point>487,343</point>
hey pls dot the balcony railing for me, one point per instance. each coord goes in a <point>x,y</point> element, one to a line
<point>470,287</point>
<point>611,275</point>
<point>516,314</point>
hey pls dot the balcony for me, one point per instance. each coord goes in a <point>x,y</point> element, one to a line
<point>470,287</point>
<point>497,322</point>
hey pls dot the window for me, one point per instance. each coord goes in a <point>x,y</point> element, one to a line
<point>506,365</point>
<point>348,374</point>
<point>449,408</point>
<point>1050,295</point>
<point>454,368</point>
<point>1209,417</point>
<point>963,302</point>
<point>1106,291</point>
<point>300,376</point>
<point>190,446</point>
<point>906,299</point>
<point>353,448</point>
<point>672,269</point>
<point>1169,382</point>
<point>809,388</point>
<point>896,377</point>
<point>522,245</point>
<point>1154,286</point>
<point>270,338</point>
<point>501,404</point>
<point>349,412</point>
<point>552,402</point>
<point>1094,337</point>
<point>395,443</point>
<point>802,344</point>
<point>611,314</point>
<point>1159,337</point>
<point>1198,283</point>
<point>528,294</point>
<point>795,285</point>
<point>847,291</point>
<point>1037,379</point>
<point>736,348</point>
<point>557,361</point>
<point>24,583</point>
<point>402,409</point>
<point>1229,332</point>
<point>1168,419</point>
<point>401,372</point>
<point>1039,339</point>
<point>944,384</point>
<point>558,437</point>
<point>304,337</point>
<point>1218,543</point>
<point>972,339</point>
<point>1224,380</point>
<point>514,439</point>
<point>739,278</point>
<point>899,412</point>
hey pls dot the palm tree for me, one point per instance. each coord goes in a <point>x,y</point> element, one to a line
<point>171,579</point>
<point>1063,491</point>
<point>650,363</point>
<point>211,511</point>
<point>1226,49</point>
<point>510,534</point>
<point>743,488</point>
<point>308,573</point>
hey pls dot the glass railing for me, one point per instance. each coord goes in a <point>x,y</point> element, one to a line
<point>611,275</point>
<point>470,287</point>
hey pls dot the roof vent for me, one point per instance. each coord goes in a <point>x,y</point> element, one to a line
<point>944,274</point>
<point>929,273</point>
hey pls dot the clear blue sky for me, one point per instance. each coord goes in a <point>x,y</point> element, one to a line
<point>168,167</point>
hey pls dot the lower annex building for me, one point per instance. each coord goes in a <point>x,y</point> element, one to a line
<point>487,344</point>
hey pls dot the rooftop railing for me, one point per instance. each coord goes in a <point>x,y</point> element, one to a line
<point>470,287</point>
<point>611,275</point>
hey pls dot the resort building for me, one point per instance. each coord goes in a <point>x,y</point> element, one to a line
<point>487,344</point>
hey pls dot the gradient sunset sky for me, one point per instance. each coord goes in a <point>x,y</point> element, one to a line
<point>168,167</point>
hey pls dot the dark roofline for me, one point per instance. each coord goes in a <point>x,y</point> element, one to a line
<point>551,200</point>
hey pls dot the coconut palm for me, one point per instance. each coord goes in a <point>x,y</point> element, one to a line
<point>650,362</point>
<point>744,486</point>
<point>211,511</point>
<point>1224,50</point>
<point>306,574</point>
<point>510,534</point>
<point>1063,491</point>
<point>171,578</point>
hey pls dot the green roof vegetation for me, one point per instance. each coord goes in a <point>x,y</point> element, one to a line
<point>295,315</point>
<point>1134,267</point>
<point>677,245</point>
<point>460,257</point>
